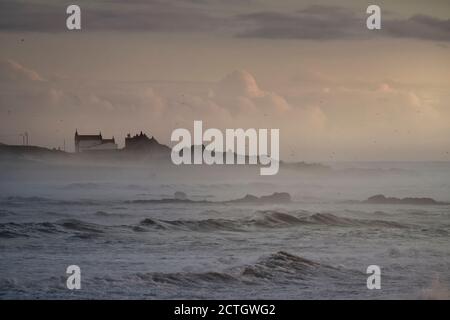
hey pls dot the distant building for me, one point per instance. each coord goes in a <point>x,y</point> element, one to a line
<point>138,141</point>
<point>93,142</point>
<point>142,143</point>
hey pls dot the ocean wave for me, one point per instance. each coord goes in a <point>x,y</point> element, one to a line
<point>277,267</point>
<point>194,225</point>
<point>263,219</point>
<point>101,213</point>
<point>6,234</point>
<point>4,213</point>
<point>270,219</point>
<point>15,201</point>
<point>27,229</point>
<point>24,199</point>
<point>259,220</point>
<point>66,226</point>
<point>79,225</point>
<point>190,279</point>
<point>282,263</point>
<point>332,220</point>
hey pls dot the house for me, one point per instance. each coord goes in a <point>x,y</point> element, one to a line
<point>138,141</point>
<point>93,142</point>
<point>142,143</point>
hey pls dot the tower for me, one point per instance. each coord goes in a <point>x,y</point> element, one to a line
<point>77,142</point>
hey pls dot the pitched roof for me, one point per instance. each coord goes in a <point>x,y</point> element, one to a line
<point>88,137</point>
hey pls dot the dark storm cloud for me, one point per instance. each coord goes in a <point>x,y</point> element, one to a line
<point>28,16</point>
<point>328,22</point>
<point>419,27</point>
<point>132,15</point>
<point>316,22</point>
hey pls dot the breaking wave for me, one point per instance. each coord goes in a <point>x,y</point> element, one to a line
<point>188,278</point>
<point>193,225</point>
<point>332,220</point>
<point>260,220</point>
<point>263,219</point>
<point>277,267</point>
<point>282,263</point>
<point>66,226</point>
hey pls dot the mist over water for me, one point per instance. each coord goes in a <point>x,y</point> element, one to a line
<point>316,246</point>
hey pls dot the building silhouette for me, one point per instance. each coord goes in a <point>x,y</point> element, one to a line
<point>138,141</point>
<point>142,143</point>
<point>93,142</point>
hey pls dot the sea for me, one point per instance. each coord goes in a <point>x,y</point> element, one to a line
<point>104,219</point>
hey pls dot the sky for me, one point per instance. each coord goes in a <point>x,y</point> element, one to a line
<point>336,91</point>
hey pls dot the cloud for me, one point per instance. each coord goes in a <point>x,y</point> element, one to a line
<point>109,15</point>
<point>54,108</point>
<point>320,22</point>
<point>313,23</point>
<point>419,27</point>
<point>13,71</point>
<point>358,118</point>
<point>240,83</point>
<point>31,16</point>
<point>239,93</point>
<point>316,22</point>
